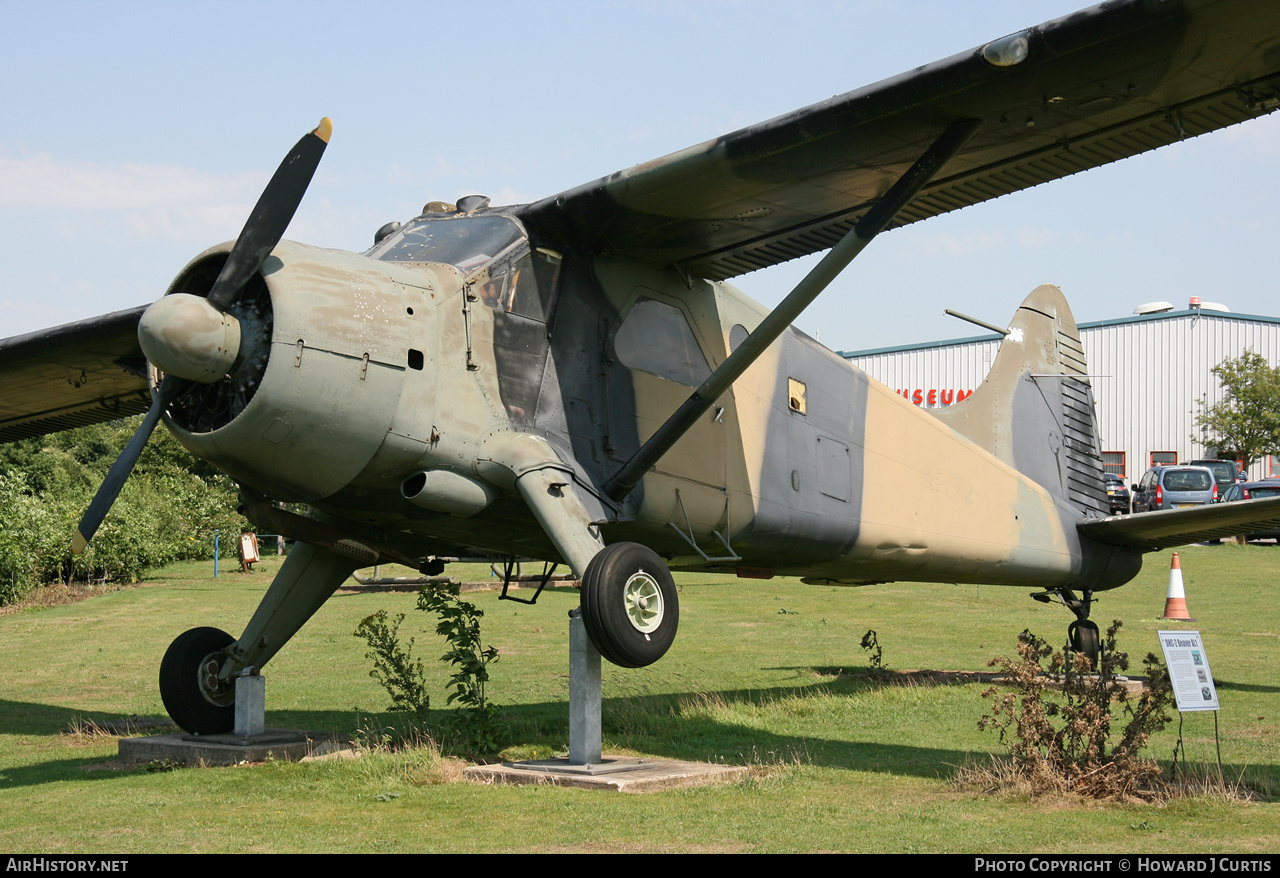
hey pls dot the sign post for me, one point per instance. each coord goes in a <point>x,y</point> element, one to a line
<point>248,551</point>
<point>1192,682</point>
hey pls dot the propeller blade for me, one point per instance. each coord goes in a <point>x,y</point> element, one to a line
<point>119,472</point>
<point>271,215</point>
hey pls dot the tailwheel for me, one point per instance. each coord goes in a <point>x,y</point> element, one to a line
<point>1082,635</point>
<point>629,605</point>
<point>1083,638</point>
<point>189,686</point>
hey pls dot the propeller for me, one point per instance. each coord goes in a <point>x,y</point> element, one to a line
<point>119,472</point>
<point>270,217</point>
<point>193,337</point>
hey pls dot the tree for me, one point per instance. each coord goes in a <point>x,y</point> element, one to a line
<point>1247,419</point>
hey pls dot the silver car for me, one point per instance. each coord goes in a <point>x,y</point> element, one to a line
<point>1169,487</point>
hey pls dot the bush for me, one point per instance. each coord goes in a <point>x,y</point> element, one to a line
<point>477,729</point>
<point>168,510</point>
<point>1065,742</point>
<point>29,535</point>
<point>393,665</point>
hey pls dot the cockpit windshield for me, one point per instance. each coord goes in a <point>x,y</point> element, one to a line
<point>466,242</point>
<point>518,280</point>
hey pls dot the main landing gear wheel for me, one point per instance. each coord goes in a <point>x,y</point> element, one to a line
<point>629,605</point>
<point>193,704</point>
<point>1083,637</point>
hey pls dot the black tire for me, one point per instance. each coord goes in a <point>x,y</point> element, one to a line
<point>629,605</point>
<point>1083,637</point>
<point>186,700</point>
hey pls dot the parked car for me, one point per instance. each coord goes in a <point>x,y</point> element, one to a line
<point>1254,491</point>
<point>1117,493</point>
<point>1224,471</point>
<point>1169,487</point>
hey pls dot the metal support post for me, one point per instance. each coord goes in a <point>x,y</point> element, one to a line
<point>584,694</point>
<point>251,704</point>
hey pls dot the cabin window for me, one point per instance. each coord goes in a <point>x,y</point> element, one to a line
<point>656,338</point>
<point>796,396</point>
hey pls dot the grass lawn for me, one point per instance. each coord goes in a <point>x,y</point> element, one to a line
<point>762,673</point>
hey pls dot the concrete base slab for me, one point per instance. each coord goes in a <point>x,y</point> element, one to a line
<point>286,744</point>
<point>626,774</point>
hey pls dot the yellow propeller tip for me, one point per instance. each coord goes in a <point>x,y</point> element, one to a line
<point>78,542</point>
<point>324,129</point>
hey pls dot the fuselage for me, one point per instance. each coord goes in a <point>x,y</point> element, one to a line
<point>396,383</point>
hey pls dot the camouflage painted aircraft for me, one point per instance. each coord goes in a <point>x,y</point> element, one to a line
<point>573,380</point>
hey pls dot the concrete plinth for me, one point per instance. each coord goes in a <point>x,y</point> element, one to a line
<point>625,774</point>
<point>285,744</point>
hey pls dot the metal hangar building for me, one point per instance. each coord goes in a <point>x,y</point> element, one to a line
<point>1151,375</point>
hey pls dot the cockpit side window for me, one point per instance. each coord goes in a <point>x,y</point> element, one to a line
<point>523,283</point>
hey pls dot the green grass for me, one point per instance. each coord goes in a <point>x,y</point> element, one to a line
<point>841,762</point>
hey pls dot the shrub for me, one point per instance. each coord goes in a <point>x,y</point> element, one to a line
<point>477,729</point>
<point>168,510</point>
<point>393,665</point>
<point>1065,742</point>
<point>460,625</point>
<point>875,653</point>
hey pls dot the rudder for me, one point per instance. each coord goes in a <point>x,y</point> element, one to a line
<point>1035,409</point>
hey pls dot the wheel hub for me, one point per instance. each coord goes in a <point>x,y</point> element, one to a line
<point>215,690</point>
<point>644,602</point>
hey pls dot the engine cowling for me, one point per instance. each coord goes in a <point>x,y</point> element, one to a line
<point>316,380</point>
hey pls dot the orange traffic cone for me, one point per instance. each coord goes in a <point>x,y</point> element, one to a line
<point>1175,605</point>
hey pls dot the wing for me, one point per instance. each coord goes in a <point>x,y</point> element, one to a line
<point>1102,84</point>
<point>1166,528</point>
<point>72,375</point>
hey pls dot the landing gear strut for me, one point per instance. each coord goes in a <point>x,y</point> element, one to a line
<point>197,673</point>
<point>1082,635</point>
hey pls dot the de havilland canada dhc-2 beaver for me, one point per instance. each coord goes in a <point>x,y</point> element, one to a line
<point>572,380</point>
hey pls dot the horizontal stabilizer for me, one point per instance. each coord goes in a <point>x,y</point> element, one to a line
<point>1166,528</point>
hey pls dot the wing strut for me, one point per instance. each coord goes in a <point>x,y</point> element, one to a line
<point>837,259</point>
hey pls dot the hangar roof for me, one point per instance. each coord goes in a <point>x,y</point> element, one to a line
<point>1095,324</point>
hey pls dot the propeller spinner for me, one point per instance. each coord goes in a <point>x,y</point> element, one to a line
<point>191,337</point>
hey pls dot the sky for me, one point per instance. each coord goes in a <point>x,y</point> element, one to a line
<point>134,135</point>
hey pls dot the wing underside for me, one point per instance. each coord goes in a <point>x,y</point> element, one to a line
<point>1096,86</point>
<point>1166,528</point>
<point>72,375</point>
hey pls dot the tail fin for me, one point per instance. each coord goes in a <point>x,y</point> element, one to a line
<point>1035,409</point>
